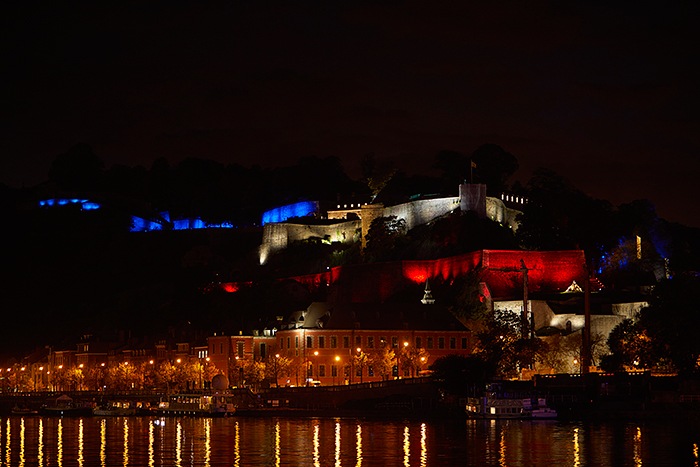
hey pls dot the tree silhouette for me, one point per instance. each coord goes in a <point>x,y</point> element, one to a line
<point>77,170</point>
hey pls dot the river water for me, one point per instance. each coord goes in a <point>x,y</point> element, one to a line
<point>271,441</point>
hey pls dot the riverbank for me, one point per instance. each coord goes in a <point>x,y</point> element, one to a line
<point>636,396</point>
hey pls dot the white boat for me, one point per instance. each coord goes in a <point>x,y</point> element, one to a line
<point>198,405</point>
<point>499,404</point>
<point>494,408</point>
<point>114,409</point>
<point>64,406</point>
<point>23,410</point>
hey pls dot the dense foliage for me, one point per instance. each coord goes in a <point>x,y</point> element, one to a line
<point>664,335</point>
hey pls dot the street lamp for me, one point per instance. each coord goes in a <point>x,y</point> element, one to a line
<point>240,371</point>
<point>360,362</point>
<point>38,378</point>
<point>335,372</point>
<point>277,383</point>
<point>313,363</point>
<point>398,365</point>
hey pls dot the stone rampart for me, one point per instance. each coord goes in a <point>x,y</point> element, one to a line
<point>497,211</point>
<point>277,237</point>
<point>422,211</point>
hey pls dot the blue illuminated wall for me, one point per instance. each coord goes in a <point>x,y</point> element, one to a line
<point>139,224</point>
<point>282,213</point>
<point>85,205</point>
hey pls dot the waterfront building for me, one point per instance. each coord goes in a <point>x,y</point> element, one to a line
<point>354,343</point>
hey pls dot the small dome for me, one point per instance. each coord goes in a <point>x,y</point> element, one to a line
<point>219,382</point>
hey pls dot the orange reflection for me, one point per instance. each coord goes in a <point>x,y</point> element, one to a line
<point>423,446</point>
<point>21,442</point>
<point>638,447</point>
<point>359,445</point>
<point>103,443</point>
<point>337,444</point>
<point>237,447</point>
<point>59,443</point>
<point>151,442</point>
<point>81,459</point>
<point>277,444</point>
<point>40,444</point>
<point>406,447</point>
<point>317,463</point>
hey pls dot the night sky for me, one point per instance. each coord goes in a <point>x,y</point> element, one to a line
<point>607,96</point>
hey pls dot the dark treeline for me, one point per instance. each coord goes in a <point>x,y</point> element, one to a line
<point>67,273</point>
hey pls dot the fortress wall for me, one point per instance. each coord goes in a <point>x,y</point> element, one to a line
<point>497,211</point>
<point>628,310</point>
<point>422,211</point>
<point>343,232</point>
<point>277,237</point>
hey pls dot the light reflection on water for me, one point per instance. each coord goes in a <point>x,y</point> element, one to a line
<point>40,445</point>
<point>241,441</point>
<point>80,444</point>
<point>358,445</point>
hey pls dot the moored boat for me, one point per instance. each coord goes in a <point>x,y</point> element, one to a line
<point>538,411</point>
<point>64,406</point>
<point>498,404</point>
<point>197,405</point>
<point>23,410</point>
<point>494,408</point>
<point>114,409</point>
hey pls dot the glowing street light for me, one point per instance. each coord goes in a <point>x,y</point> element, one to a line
<point>337,361</point>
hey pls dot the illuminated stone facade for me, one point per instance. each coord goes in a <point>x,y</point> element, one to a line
<point>472,197</point>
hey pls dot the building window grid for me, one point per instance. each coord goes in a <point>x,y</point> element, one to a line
<point>334,342</point>
<point>430,342</point>
<point>453,343</point>
<point>321,342</point>
<point>441,342</point>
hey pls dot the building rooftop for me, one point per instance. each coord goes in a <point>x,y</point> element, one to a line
<point>374,316</point>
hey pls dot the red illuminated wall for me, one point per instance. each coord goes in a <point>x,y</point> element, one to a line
<point>548,271</point>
